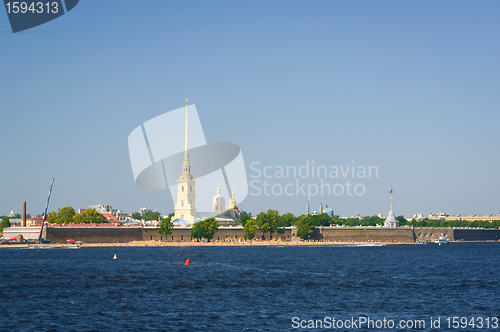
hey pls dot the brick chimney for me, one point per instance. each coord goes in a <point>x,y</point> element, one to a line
<point>24,215</point>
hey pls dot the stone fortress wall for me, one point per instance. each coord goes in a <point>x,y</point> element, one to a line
<point>326,234</point>
<point>363,234</point>
<point>121,234</point>
<point>94,234</point>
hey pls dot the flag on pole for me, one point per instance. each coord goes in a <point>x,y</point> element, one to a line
<point>390,192</point>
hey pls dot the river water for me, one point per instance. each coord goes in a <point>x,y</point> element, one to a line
<point>249,288</point>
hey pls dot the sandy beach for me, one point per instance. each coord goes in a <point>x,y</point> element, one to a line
<point>201,244</point>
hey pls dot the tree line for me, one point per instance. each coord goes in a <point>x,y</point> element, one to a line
<point>450,223</point>
<point>272,222</point>
<point>67,215</point>
<point>150,215</point>
<point>16,216</point>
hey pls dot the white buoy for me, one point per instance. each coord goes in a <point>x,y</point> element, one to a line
<point>114,257</point>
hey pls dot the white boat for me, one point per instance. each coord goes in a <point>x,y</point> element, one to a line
<point>441,239</point>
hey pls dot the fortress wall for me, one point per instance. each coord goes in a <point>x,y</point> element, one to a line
<point>433,233</point>
<point>179,234</point>
<point>103,234</point>
<point>477,234</point>
<point>183,234</point>
<point>126,234</point>
<point>94,234</point>
<point>362,234</point>
<point>458,234</point>
<point>236,233</point>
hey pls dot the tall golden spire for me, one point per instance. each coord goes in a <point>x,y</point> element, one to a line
<point>186,148</point>
<point>232,201</point>
<point>186,165</point>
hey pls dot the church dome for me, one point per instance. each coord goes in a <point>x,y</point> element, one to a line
<point>236,213</point>
<point>219,197</point>
<point>180,222</point>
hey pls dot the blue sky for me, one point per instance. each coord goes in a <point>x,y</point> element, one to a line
<point>409,87</point>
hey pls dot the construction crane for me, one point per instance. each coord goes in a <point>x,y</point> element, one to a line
<point>40,239</point>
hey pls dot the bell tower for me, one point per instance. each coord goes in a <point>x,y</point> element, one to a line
<point>185,207</point>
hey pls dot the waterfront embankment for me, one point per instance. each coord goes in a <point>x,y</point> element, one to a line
<point>211,244</point>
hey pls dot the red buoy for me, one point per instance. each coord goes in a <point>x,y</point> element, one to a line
<point>187,262</point>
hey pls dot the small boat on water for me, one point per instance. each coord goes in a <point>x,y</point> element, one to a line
<point>442,240</point>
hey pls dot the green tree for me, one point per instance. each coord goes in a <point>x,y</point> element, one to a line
<point>402,220</point>
<point>286,220</point>
<point>372,221</point>
<point>5,222</point>
<point>89,216</point>
<point>352,222</point>
<point>434,223</point>
<point>211,227</point>
<point>205,229</point>
<point>136,216</point>
<point>263,223</point>
<point>273,219</point>
<point>65,215</point>
<point>304,227</point>
<point>264,227</point>
<point>412,222</point>
<point>18,216</point>
<point>197,230</point>
<point>243,219</point>
<point>295,220</point>
<point>336,221</point>
<point>422,223</point>
<point>152,216</point>
<point>320,219</point>
<point>52,218</point>
<point>494,224</point>
<point>250,228</point>
<point>268,222</point>
<point>166,226</point>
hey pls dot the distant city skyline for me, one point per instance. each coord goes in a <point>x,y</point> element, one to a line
<point>409,88</point>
